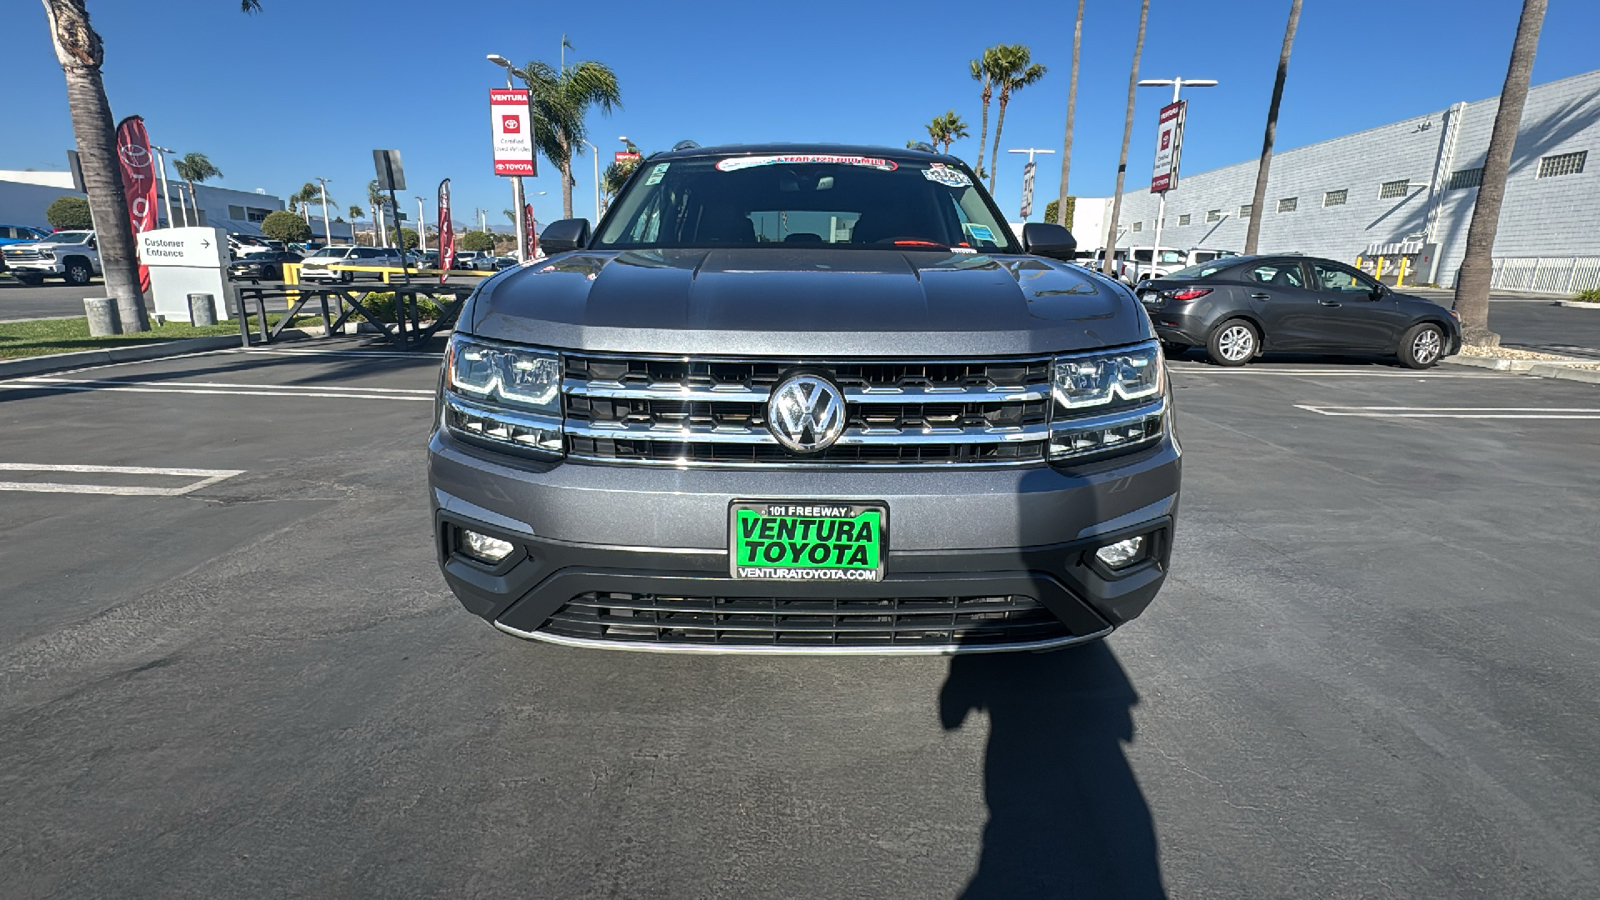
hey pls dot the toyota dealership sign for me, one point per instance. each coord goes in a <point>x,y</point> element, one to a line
<point>513,133</point>
<point>1169,147</point>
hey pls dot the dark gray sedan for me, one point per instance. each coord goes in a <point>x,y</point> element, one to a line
<point>1241,306</point>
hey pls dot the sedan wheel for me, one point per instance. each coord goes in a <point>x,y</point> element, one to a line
<point>1233,343</point>
<point>1422,346</point>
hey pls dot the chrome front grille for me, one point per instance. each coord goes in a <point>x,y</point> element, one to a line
<point>22,255</point>
<point>711,412</point>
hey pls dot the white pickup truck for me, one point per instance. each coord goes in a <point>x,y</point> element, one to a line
<point>68,255</point>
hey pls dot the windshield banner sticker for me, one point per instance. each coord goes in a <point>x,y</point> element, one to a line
<point>939,173</point>
<point>978,232</point>
<point>735,163</point>
<point>656,174</point>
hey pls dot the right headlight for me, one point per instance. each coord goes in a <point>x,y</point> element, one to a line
<point>1111,400</point>
<point>504,395</point>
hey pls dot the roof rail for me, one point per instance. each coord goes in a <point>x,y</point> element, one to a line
<point>686,145</point>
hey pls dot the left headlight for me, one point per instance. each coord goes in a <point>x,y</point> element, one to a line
<point>504,395</point>
<point>1107,401</point>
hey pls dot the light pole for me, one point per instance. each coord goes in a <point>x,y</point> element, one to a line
<point>596,151</point>
<point>1178,84</point>
<point>161,169</point>
<point>1026,187</point>
<point>516,180</point>
<point>327,230</point>
<point>422,226</point>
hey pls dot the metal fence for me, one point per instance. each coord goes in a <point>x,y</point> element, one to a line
<point>1546,274</point>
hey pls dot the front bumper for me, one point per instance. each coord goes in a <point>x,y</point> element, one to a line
<point>645,536</point>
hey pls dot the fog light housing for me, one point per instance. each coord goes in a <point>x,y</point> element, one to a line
<point>1122,553</point>
<point>484,548</point>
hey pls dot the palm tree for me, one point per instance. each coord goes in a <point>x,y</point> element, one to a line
<point>355,214</point>
<point>1062,205</point>
<point>946,129</point>
<point>1258,200</point>
<point>559,100</point>
<point>196,167</point>
<point>1013,70</point>
<point>377,202</point>
<point>616,175</point>
<point>1472,280</point>
<point>1127,132</point>
<point>981,71</point>
<point>80,53</point>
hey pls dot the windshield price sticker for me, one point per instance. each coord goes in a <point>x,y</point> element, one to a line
<point>807,540</point>
<point>735,163</point>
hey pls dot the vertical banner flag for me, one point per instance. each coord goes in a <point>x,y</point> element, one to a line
<point>533,231</point>
<point>138,181</point>
<point>513,133</point>
<point>1169,147</point>
<point>447,233</point>
<point>1027,190</point>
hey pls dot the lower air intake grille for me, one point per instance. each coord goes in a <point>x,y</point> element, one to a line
<point>805,622</point>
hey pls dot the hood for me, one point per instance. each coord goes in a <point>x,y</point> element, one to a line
<point>805,302</point>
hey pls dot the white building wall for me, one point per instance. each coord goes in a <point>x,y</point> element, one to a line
<point>1557,216</point>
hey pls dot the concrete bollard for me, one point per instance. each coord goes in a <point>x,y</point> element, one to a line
<point>202,310</point>
<point>103,317</point>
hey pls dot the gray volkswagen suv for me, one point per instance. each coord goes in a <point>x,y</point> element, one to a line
<point>804,399</point>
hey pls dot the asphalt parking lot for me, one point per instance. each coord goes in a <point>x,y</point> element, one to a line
<point>230,668</point>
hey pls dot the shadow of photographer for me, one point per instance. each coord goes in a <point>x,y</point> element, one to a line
<point>1066,816</point>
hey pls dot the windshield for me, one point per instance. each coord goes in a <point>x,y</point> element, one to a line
<point>804,199</point>
<point>71,237</point>
<point>332,251</point>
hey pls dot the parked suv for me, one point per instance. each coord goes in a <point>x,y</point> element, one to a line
<point>795,398</point>
<point>69,255</point>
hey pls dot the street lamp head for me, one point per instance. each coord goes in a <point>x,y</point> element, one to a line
<point>1154,82</point>
<point>498,60</point>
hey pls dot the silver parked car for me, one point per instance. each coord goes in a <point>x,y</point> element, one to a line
<point>324,265</point>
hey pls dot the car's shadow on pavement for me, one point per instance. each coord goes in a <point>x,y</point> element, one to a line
<point>1066,815</point>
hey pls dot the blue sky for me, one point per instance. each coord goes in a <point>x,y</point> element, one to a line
<point>310,88</point>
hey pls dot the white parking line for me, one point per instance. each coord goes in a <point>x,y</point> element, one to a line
<point>205,478</point>
<point>209,387</point>
<point>1453,412</point>
<point>1327,373</point>
<point>314,351</point>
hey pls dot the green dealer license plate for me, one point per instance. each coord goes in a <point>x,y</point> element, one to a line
<point>807,540</point>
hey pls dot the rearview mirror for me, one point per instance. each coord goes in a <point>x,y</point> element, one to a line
<point>565,235</point>
<point>1050,240</point>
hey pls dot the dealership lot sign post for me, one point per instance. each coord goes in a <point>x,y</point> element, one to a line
<point>184,261</point>
<point>1169,148</point>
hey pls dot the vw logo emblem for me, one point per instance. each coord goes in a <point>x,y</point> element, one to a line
<point>806,413</point>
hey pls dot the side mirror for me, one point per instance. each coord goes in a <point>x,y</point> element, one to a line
<point>1050,240</point>
<point>564,236</point>
<point>1379,291</point>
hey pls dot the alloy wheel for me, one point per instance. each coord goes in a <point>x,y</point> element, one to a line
<point>1426,346</point>
<point>1236,343</point>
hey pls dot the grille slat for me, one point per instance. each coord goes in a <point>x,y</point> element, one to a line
<point>783,621</point>
<point>713,412</point>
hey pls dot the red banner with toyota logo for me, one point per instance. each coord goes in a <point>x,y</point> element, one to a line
<point>138,181</point>
<point>447,233</point>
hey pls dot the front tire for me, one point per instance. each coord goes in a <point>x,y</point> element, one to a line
<point>1422,346</point>
<point>78,273</point>
<point>1233,343</point>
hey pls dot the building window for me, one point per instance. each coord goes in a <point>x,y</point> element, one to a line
<point>1564,164</point>
<point>1335,198</point>
<point>1138,226</point>
<point>1213,215</point>
<point>1288,204</point>
<point>1246,210</point>
<point>1183,219</point>
<point>1465,178</point>
<point>1393,189</point>
<point>235,212</point>
<point>252,214</point>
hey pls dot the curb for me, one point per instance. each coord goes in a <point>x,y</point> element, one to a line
<point>55,362</point>
<point>1591,376</point>
<point>1575,304</point>
<point>1493,363</point>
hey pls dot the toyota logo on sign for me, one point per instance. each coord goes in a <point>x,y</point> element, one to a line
<point>510,124</point>
<point>135,156</point>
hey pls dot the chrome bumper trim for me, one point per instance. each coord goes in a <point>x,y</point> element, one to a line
<point>768,650</point>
